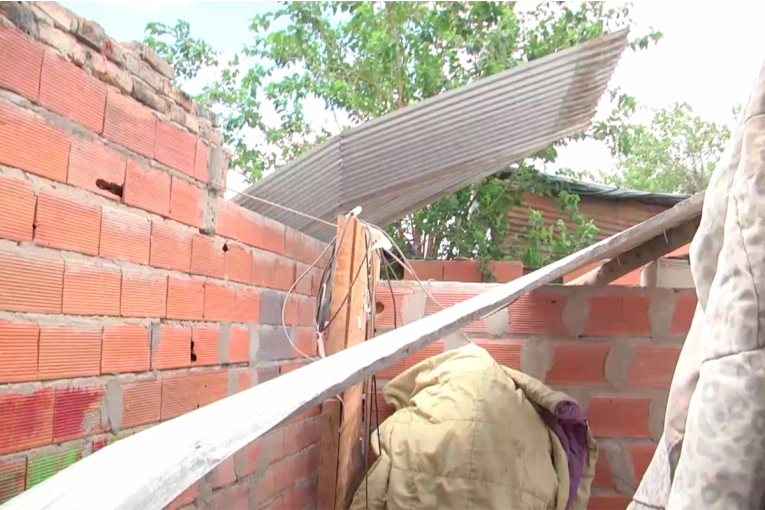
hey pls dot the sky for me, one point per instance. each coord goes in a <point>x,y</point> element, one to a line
<point>710,55</point>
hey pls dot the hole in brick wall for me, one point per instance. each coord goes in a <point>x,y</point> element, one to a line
<point>379,307</point>
<point>225,247</point>
<point>111,187</point>
<point>193,356</point>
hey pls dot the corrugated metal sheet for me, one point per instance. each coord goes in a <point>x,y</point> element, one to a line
<point>409,158</point>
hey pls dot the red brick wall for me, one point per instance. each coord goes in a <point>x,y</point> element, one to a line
<point>120,308</point>
<point>613,349</point>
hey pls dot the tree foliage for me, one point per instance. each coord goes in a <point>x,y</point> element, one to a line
<point>361,60</point>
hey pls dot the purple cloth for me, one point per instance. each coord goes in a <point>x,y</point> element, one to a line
<point>570,425</point>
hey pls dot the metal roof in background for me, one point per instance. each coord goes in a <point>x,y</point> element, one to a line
<point>409,158</point>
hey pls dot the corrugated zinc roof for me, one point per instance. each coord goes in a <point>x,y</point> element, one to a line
<point>409,158</point>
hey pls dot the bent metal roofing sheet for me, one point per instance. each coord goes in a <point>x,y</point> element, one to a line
<point>409,158</point>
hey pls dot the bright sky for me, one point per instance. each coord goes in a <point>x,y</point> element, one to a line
<point>709,57</point>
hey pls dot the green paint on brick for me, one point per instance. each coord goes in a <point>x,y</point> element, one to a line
<point>42,468</point>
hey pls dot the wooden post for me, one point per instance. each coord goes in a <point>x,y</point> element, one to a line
<point>349,308</point>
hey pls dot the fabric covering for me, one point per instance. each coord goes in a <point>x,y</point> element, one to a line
<point>712,453</point>
<point>470,433</point>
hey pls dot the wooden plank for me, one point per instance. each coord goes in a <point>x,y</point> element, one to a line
<point>331,412</point>
<point>656,247</point>
<point>150,469</point>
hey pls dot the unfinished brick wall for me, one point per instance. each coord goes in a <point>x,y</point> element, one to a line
<point>131,292</point>
<point>613,349</point>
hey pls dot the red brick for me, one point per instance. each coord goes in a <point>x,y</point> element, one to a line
<point>610,501</point>
<point>603,478</point>
<point>173,349</point>
<point>185,299</point>
<point>224,474</point>
<point>125,349</point>
<point>247,305</point>
<point>619,416</point>
<point>143,295</point>
<point>20,64</point>
<point>170,247</point>
<point>685,307</point>
<point>26,420</point>
<point>284,274</point>
<point>90,162</point>
<point>385,306</point>
<point>301,435</point>
<point>186,497</point>
<point>207,256</point>
<point>264,269</point>
<point>182,393</point>
<point>20,131</point>
<point>238,264</point>
<point>17,209</point>
<point>239,346</point>
<point>175,147</point>
<point>77,412</point>
<point>504,352</point>
<point>124,236</point>
<point>205,340</point>
<point>129,124</point>
<point>538,313</point>
<point>30,284</point>
<point>447,296</point>
<point>147,188</point>
<point>506,270</point>
<point>67,224</point>
<point>18,345</point>
<point>615,314</point>
<point>641,454</point>
<point>431,350</point>
<point>69,351</point>
<point>220,302</point>
<point>227,219</point>
<point>186,203</point>
<point>295,245</point>
<point>13,472</point>
<point>652,366</point>
<point>578,363</point>
<point>90,289</point>
<point>306,343</point>
<point>211,386</point>
<point>71,92</point>
<point>141,403</point>
<point>250,228</point>
<point>244,379</point>
<point>461,271</point>
<point>302,285</point>
<point>274,236</point>
<point>201,172</point>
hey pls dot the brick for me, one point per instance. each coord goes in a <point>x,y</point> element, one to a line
<point>610,501</point>
<point>143,295</point>
<point>205,346</point>
<point>411,360</point>
<point>239,346</point>
<point>69,351</point>
<point>613,314</point>
<point>386,304</point>
<point>125,349</point>
<point>578,363</point>
<point>185,299</point>
<point>26,420</point>
<point>227,220</point>
<point>182,393</point>
<point>13,473</point>
<point>427,270</point>
<point>244,379</point>
<point>224,474</point>
<point>250,228</point>
<point>306,342</point>
<point>91,162</point>
<point>67,224</point>
<point>20,63</point>
<point>641,455</point>
<point>506,270</point>
<point>247,305</point>
<point>71,92</point>
<point>175,147</point>
<point>538,313</point>
<point>173,350</point>
<point>124,236</point>
<point>284,273</point>
<point>603,478</point>
<point>186,497</point>
<point>273,239</point>
<point>301,435</point>
<point>211,386</point>
<point>264,269</point>
<point>207,256</point>
<point>619,416</point>
<point>504,352</point>
<point>652,366</point>
<point>295,245</point>
<point>462,271</point>
<point>147,188</point>
<point>141,402</point>
<point>445,297</point>
<point>20,130</point>
<point>303,277</point>
<point>91,290</point>
<point>237,264</point>
<point>186,203</point>
<point>170,247</point>
<point>30,284</point>
<point>685,307</point>
<point>43,466</point>
<point>18,345</point>
<point>201,171</point>
<point>77,412</point>
<point>17,209</point>
<point>220,302</point>
<point>129,124</point>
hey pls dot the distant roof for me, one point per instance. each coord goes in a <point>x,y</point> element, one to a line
<point>583,188</point>
<point>409,158</point>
